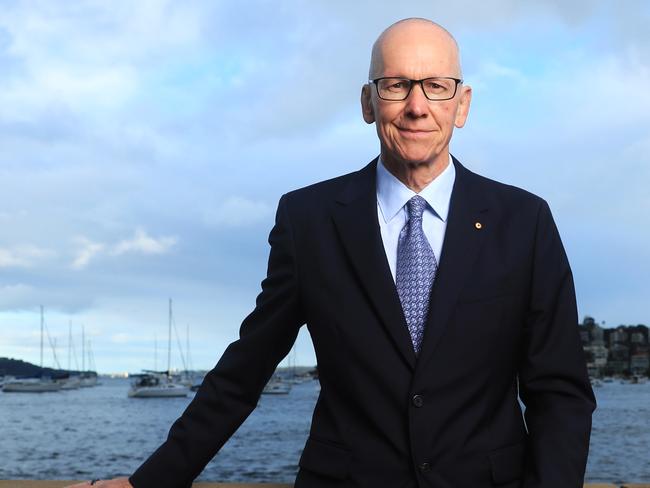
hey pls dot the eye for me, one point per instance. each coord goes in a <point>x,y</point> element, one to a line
<point>397,85</point>
<point>432,85</point>
<point>394,85</point>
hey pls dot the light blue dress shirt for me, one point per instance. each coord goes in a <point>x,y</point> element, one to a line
<point>392,196</point>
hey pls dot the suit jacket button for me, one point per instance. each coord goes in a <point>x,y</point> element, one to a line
<point>417,400</point>
<point>425,467</point>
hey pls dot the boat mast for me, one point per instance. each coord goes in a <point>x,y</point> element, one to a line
<point>169,344</point>
<point>187,349</point>
<point>42,337</point>
<point>83,348</point>
<point>69,345</point>
<point>91,357</point>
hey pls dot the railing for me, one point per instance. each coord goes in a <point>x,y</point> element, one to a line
<point>60,484</point>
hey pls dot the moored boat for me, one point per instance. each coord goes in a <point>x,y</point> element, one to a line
<point>159,384</point>
<point>30,385</point>
<point>156,385</point>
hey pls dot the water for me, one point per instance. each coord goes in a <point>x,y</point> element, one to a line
<point>620,435</point>
<point>99,432</point>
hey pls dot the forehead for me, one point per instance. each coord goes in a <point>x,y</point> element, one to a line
<point>418,54</point>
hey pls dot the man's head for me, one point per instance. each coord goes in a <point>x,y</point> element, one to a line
<point>416,130</point>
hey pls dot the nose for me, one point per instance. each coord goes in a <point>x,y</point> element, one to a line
<point>417,104</point>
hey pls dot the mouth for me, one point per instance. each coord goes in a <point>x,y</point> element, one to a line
<point>416,133</point>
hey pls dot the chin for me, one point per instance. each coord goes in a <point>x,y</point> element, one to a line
<point>417,157</point>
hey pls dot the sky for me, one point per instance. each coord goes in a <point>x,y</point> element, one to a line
<point>144,147</point>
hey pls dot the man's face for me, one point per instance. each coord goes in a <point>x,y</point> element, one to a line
<point>415,130</point>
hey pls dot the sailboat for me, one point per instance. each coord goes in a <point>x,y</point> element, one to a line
<point>87,378</point>
<point>158,384</point>
<point>32,385</point>
<point>70,381</point>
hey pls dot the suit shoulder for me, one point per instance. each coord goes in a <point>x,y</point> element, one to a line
<point>505,194</point>
<point>321,192</point>
<point>324,187</point>
<point>311,206</point>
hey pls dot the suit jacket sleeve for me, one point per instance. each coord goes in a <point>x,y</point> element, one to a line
<point>553,381</point>
<point>230,391</point>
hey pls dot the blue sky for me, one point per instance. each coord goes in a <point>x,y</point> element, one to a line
<point>144,146</point>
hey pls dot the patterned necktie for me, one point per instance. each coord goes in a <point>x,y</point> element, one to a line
<point>416,270</point>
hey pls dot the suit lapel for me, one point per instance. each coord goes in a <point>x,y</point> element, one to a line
<point>355,217</point>
<point>460,249</point>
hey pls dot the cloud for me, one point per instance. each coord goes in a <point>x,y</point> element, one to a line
<point>88,251</point>
<point>238,211</point>
<point>23,256</point>
<point>491,72</point>
<point>140,243</point>
<point>144,244</point>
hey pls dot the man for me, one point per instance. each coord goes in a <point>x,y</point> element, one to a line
<point>433,297</point>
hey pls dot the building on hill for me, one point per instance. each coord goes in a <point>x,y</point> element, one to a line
<point>623,350</point>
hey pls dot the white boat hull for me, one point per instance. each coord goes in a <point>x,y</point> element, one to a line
<point>161,391</point>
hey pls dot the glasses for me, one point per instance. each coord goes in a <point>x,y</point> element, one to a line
<point>397,89</point>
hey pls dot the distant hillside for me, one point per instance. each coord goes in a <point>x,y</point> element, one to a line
<point>23,369</point>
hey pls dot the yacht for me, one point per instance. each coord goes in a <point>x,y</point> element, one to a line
<point>156,385</point>
<point>32,385</point>
<point>159,384</point>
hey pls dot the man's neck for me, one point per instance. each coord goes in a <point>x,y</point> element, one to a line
<point>416,175</point>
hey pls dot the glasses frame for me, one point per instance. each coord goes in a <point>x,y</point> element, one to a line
<point>457,81</point>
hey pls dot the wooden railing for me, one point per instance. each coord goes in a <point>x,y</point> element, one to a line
<point>62,483</point>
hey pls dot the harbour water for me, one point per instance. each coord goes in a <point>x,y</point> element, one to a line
<point>99,432</point>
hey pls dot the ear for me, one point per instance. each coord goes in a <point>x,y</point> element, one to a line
<point>366,104</point>
<point>463,105</point>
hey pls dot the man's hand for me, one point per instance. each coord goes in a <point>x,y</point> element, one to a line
<point>114,483</point>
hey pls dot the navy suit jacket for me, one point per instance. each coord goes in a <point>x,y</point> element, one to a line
<point>502,323</point>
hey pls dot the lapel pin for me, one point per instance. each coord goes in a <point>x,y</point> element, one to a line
<point>478,225</point>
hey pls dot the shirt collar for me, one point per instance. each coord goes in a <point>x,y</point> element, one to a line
<point>392,194</point>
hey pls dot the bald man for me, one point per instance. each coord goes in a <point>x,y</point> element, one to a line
<point>434,298</point>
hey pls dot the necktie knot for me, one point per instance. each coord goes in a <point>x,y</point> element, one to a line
<point>416,206</point>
